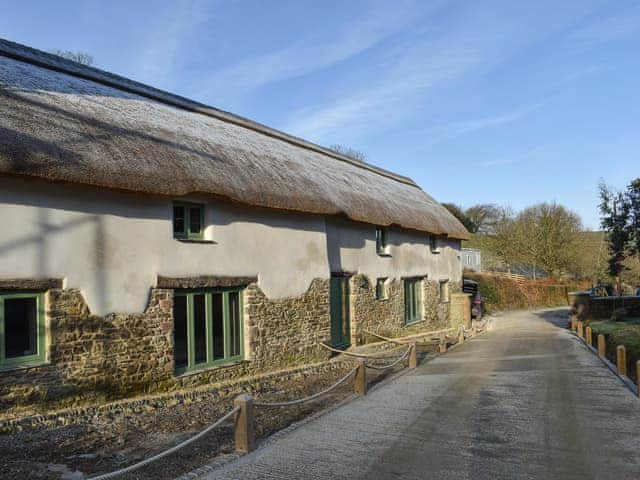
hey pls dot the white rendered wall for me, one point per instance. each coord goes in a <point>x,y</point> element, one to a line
<point>113,245</point>
<point>352,248</point>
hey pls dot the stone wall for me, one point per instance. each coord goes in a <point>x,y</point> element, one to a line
<point>91,354</point>
<point>95,358</point>
<point>585,307</point>
<point>386,317</point>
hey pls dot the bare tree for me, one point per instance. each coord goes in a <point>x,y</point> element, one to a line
<point>349,152</point>
<point>78,57</point>
<point>459,213</point>
<point>484,217</point>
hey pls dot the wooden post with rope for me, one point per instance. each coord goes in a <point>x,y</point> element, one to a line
<point>244,434</point>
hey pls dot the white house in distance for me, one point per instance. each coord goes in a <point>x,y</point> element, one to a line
<point>150,241</point>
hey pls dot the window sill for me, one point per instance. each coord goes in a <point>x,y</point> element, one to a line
<point>385,299</point>
<point>195,240</point>
<point>411,324</point>
<point>24,366</point>
<point>209,368</point>
<point>384,254</point>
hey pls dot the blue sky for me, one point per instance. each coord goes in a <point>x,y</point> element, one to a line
<point>507,102</point>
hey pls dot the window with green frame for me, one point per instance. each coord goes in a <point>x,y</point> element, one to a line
<point>381,289</point>
<point>22,329</point>
<point>444,291</point>
<point>207,328</point>
<point>412,300</point>
<point>188,221</point>
<point>381,241</point>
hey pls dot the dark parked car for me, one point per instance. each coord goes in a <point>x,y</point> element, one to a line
<point>477,302</point>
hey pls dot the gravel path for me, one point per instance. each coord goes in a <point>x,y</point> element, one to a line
<point>526,400</point>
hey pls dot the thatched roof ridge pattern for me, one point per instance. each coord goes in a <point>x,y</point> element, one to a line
<point>67,122</point>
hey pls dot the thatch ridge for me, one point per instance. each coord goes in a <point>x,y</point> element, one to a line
<point>68,122</point>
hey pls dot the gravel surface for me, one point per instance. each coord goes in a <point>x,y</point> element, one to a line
<point>114,440</point>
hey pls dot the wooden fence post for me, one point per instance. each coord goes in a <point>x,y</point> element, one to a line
<point>413,356</point>
<point>244,434</point>
<point>581,329</point>
<point>601,346</point>
<point>621,357</point>
<point>589,336</point>
<point>442,345</point>
<point>461,336</point>
<point>360,385</point>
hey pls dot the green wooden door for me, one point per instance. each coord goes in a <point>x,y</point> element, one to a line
<point>339,307</point>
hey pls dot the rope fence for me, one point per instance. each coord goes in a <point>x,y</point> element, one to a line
<point>243,410</point>
<point>310,397</point>
<point>405,341</point>
<point>392,364</point>
<point>149,460</point>
<point>361,355</point>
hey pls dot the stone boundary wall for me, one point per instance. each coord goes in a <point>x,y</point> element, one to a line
<point>585,307</point>
<point>217,392</point>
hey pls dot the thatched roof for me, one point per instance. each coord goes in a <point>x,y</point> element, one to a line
<point>62,121</point>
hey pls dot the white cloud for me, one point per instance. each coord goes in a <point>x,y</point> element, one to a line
<point>312,53</point>
<point>168,40</point>
<point>471,41</point>
<point>463,127</point>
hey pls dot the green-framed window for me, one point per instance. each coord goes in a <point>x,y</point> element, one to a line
<point>188,221</point>
<point>381,289</point>
<point>207,328</point>
<point>412,300</point>
<point>22,328</point>
<point>381,241</point>
<point>444,291</point>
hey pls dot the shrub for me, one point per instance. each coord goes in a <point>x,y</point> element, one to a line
<point>502,293</point>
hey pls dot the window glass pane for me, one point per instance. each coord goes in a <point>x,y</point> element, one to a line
<point>218,327</point>
<point>200,328</point>
<point>180,330</point>
<point>178,219</point>
<point>195,225</point>
<point>380,289</point>
<point>20,327</point>
<point>234,322</point>
<point>381,240</point>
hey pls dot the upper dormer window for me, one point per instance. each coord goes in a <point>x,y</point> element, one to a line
<point>188,221</point>
<point>381,241</point>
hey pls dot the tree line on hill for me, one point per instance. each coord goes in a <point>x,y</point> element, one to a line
<point>548,239</point>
